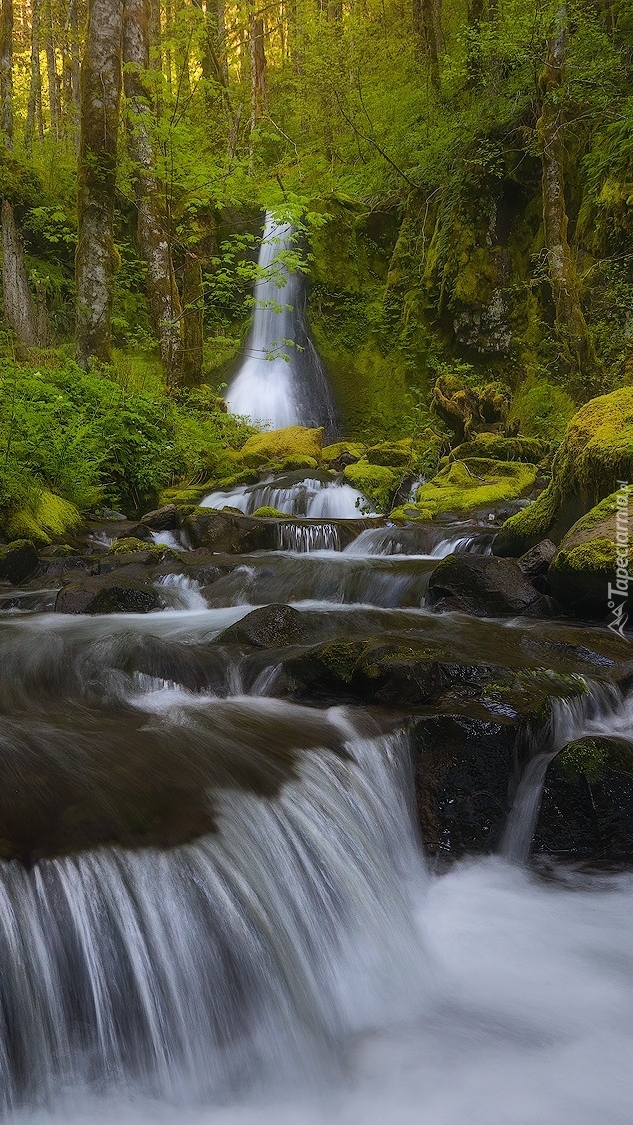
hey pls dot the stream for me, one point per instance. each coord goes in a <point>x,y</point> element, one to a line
<point>255,935</point>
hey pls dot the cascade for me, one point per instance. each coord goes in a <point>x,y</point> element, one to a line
<point>282,380</point>
<point>310,497</point>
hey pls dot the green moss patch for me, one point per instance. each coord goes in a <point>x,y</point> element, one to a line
<point>48,518</point>
<point>377,482</point>
<point>475,483</point>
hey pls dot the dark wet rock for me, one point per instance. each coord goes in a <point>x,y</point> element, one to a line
<point>228,532</point>
<point>536,561</point>
<point>485,586</point>
<point>136,531</point>
<point>112,562</point>
<point>272,626</point>
<point>67,569</point>
<point>167,518</point>
<point>18,561</point>
<point>463,772</point>
<point>587,806</point>
<point>106,594</point>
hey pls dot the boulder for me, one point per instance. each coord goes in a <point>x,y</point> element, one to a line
<point>277,446</point>
<point>377,482</point>
<point>137,531</point>
<point>587,806</point>
<point>18,561</point>
<point>485,586</point>
<point>228,532</point>
<point>342,453</point>
<point>589,572</point>
<point>475,484</point>
<point>166,518</point>
<point>107,594</point>
<point>596,453</point>
<point>536,561</point>
<point>273,626</point>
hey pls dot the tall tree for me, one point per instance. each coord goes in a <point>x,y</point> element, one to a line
<point>54,92</point>
<point>154,223</point>
<point>6,71</point>
<point>101,82</point>
<point>34,107</point>
<point>425,25</point>
<point>571,326</point>
<point>19,312</point>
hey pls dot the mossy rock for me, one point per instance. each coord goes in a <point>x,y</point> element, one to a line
<point>294,462</point>
<point>190,495</point>
<point>393,454</point>
<point>377,482</point>
<point>49,518</point>
<point>276,445</point>
<point>528,449</point>
<point>475,483</point>
<point>411,512</point>
<point>594,557</point>
<point>352,450</point>
<point>596,453</point>
<point>269,514</point>
<point>131,545</point>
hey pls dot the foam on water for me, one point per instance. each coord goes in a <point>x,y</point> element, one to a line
<point>310,498</point>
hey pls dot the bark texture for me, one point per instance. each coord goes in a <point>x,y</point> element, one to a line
<point>18,305</point>
<point>34,108</point>
<point>101,81</point>
<point>154,226</point>
<point>54,91</point>
<point>6,71</point>
<point>426,33</point>
<point>259,77</point>
<point>193,319</point>
<point>571,326</point>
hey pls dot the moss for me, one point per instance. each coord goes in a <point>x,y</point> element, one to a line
<point>586,757</point>
<point>596,555</point>
<point>132,546</point>
<point>475,483</point>
<point>394,454</point>
<point>411,512</point>
<point>294,462</point>
<point>528,449</point>
<point>269,514</point>
<point>192,494</point>
<point>377,482</point>
<point>276,445</point>
<point>597,451</point>
<point>543,411</point>
<point>48,518</point>
<point>353,449</point>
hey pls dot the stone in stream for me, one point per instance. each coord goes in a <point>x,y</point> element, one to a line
<point>136,531</point>
<point>272,626</point>
<point>486,586</point>
<point>587,806</point>
<point>166,518</point>
<point>108,594</point>
<point>18,561</point>
<point>536,561</point>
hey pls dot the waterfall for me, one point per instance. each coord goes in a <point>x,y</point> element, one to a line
<point>248,953</point>
<point>282,380</point>
<point>570,719</point>
<point>310,497</point>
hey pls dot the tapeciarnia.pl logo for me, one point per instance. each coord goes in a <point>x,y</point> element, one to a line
<point>618,591</point>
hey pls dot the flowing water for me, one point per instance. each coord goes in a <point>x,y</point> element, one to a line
<point>214,904</point>
<point>282,380</point>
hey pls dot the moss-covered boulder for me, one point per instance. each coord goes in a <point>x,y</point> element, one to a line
<point>129,545</point>
<point>501,448</point>
<point>49,517</point>
<point>276,446</point>
<point>342,453</point>
<point>589,572</point>
<point>473,484</point>
<point>393,454</point>
<point>377,482</point>
<point>267,513</point>
<point>596,453</point>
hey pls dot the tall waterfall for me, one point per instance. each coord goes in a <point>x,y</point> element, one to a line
<point>282,380</point>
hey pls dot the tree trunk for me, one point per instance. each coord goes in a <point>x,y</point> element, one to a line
<point>215,68</point>
<point>100,103</point>
<point>51,68</point>
<point>34,108</point>
<point>193,305</point>
<point>154,234</point>
<point>6,71</point>
<point>259,83</point>
<point>18,304</point>
<point>570,322</point>
<point>425,27</point>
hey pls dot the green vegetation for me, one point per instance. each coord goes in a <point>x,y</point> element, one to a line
<point>472,484</point>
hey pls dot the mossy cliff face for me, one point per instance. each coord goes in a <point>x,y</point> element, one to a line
<point>370,372</point>
<point>596,453</point>
<point>591,558</point>
<point>47,518</point>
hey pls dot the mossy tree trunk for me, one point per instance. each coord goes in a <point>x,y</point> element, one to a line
<point>6,71</point>
<point>18,304</point>
<point>54,91</point>
<point>425,26</point>
<point>258,67</point>
<point>101,81</point>
<point>154,220</point>
<point>571,326</point>
<point>215,69</point>
<point>193,319</point>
